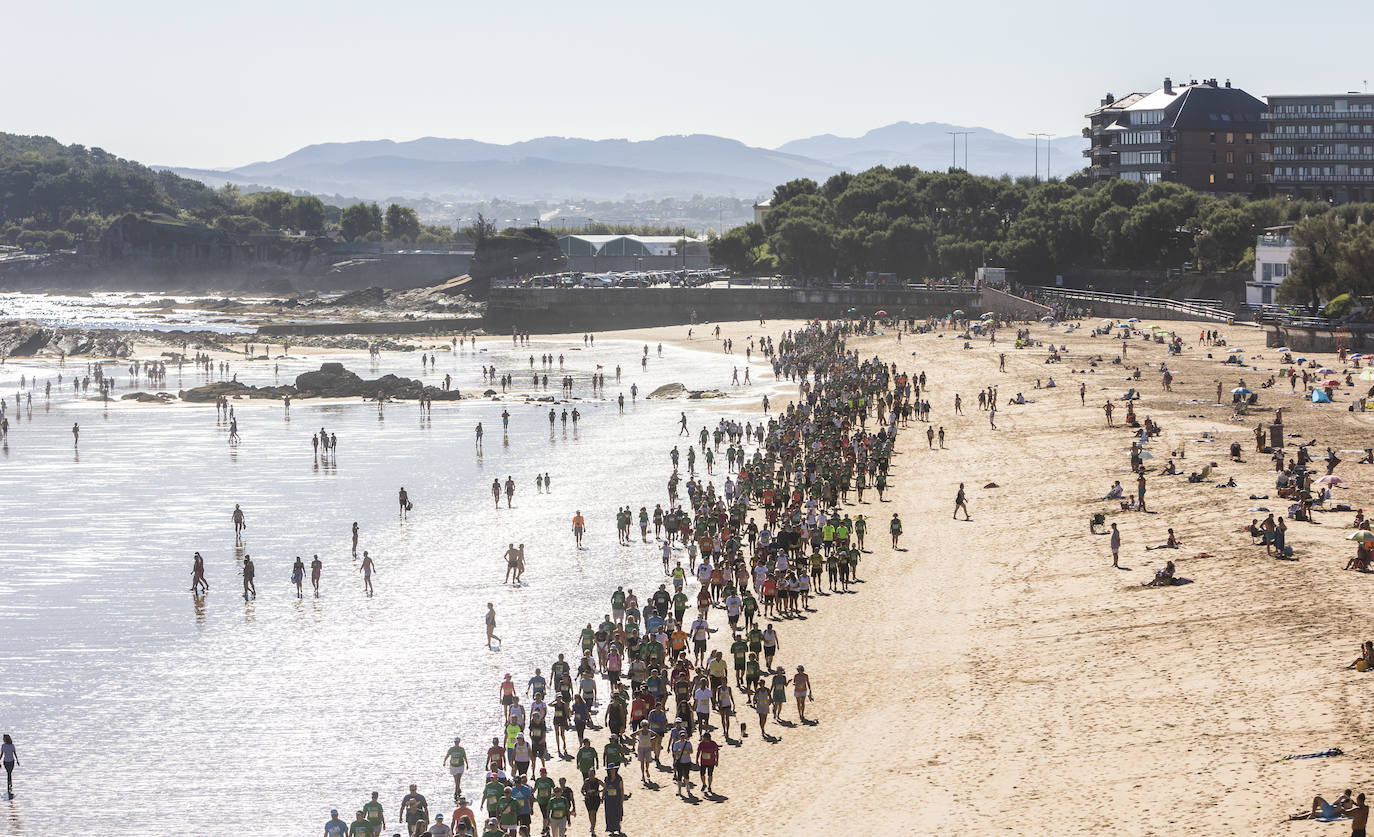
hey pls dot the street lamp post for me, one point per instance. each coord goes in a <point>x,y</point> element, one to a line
<point>1037,156</point>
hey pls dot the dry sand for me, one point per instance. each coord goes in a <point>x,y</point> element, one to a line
<point>1000,675</point>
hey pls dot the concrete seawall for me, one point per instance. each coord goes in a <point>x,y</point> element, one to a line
<point>584,309</point>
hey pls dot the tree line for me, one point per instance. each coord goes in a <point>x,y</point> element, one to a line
<point>919,224</point>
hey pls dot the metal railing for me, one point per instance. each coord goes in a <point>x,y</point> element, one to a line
<point>1164,306</point>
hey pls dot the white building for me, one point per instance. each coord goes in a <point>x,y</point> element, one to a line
<point>1273,252</point>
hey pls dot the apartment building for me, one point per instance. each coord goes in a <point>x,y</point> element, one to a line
<point>1320,147</point>
<point>1273,253</point>
<point>1204,135</point>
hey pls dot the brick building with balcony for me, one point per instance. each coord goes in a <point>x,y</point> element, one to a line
<point>1204,135</point>
<point>1320,147</point>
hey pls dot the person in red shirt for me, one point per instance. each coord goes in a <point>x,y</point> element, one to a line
<point>708,756</point>
<point>461,813</point>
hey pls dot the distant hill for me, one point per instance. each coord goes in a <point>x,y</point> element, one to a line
<point>46,183</point>
<point>927,146</point>
<point>552,168</point>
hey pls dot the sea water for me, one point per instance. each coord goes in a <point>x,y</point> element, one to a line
<point>138,706</point>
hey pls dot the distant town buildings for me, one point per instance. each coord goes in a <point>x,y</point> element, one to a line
<point>1273,251</point>
<point>761,210</point>
<point>1321,147</point>
<point>1204,135</point>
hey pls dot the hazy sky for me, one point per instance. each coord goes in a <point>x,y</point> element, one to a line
<point>221,84</point>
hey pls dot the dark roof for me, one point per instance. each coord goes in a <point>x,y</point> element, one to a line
<point>1208,108</point>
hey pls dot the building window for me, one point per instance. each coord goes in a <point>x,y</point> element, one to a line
<point>1249,158</point>
<point>1230,157</point>
<point>1150,176</point>
<point>1214,156</point>
<point>1230,177</point>
<point>1249,138</point>
<point>1212,137</point>
<point>1249,177</point>
<point>1212,177</point>
<point>1230,138</point>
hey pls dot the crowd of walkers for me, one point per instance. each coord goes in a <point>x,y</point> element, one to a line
<point>659,677</point>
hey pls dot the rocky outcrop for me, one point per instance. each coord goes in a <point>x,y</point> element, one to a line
<point>667,391</point>
<point>26,338</point>
<point>149,397</point>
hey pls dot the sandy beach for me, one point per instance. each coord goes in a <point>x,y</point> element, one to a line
<point>1000,674</point>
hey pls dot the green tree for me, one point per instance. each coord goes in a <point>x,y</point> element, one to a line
<point>271,208</point>
<point>307,213</point>
<point>402,223</point>
<point>356,221</point>
<point>1316,252</point>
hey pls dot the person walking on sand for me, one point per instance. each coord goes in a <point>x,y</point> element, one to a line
<point>199,586</point>
<point>249,588</point>
<point>895,528</point>
<point>1116,546</point>
<point>367,569</point>
<point>1140,490</point>
<point>960,502</point>
<point>1108,408</point>
<point>579,524</point>
<point>491,625</point>
<point>10,758</point>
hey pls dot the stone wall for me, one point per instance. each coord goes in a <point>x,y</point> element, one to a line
<point>582,309</point>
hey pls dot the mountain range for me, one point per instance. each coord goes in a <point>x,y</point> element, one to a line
<point>559,168</point>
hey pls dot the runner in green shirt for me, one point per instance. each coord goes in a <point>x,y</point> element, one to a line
<point>739,650</point>
<point>543,795</point>
<point>360,827</point>
<point>586,757</point>
<point>558,816</point>
<point>372,811</point>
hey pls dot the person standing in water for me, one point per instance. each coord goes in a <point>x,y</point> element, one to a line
<point>404,499</point>
<point>355,538</point>
<point>10,758</point>
<point>239,524</point>
<point>248,572</point>
<point>76,432</point>
<point>491,624</point>
<point>316,567</point>
<point>479,435</point>
<point>298,576</point>
<point>199,586</point>
<point>367,569</point>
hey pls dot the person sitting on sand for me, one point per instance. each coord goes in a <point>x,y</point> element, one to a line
<point>1327,811</point>
<point>1171,543</point>
<point>1117,492</point>
<point>1364,662</point>
<point>1170,469</point>
<point>1164,577</point>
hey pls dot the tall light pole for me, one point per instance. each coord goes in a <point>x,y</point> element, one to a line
<point>1037,155</point>
<point>953,139</point>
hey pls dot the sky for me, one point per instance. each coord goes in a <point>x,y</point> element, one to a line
<point>224,84</point>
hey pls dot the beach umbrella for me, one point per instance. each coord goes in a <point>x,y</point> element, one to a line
<point>1133,320</point>
<point>1123,325</point>
<point>1234,351</point>
<point>1361,535</point>
<point>1326,371</point>
<point>1356,356</point>
<point>1144,454</point>
<point>880,313</point>
<point>958,312</point>
<point>1330,479</point>
<point>1283,349</point>
<point>1240,391</point>
<point>1320,397</point>
<point>1047,319</point>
